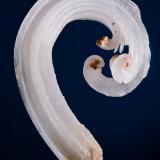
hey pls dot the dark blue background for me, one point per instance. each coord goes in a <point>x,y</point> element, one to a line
<point>127,128</point>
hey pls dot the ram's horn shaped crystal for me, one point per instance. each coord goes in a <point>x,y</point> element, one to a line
<point>37,82</point>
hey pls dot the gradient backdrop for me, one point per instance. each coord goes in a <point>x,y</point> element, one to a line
<point>127,128</point>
